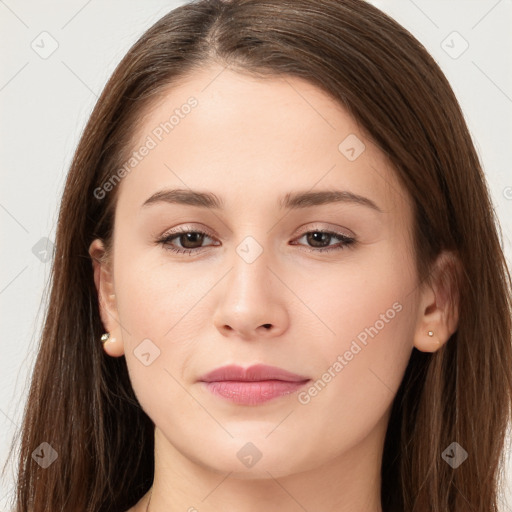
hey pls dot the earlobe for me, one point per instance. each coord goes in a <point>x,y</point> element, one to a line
<point>112,346</point>
<point>429,341</point>
<point>438,306</point>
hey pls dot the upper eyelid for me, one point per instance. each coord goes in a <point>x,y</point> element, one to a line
<point>316,227</point>
<point>188,229</point>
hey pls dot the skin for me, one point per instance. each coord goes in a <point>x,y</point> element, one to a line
<point>251,141</point>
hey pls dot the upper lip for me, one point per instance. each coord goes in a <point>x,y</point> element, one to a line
<point>253,373</point>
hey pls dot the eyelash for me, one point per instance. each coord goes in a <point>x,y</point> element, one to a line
<point>347,242</point>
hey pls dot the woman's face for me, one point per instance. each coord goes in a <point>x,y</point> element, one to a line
<point>256,288</point>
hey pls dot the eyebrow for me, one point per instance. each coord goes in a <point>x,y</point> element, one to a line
<point>291,200</point>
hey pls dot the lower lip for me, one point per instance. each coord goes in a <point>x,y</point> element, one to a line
<point>253,393</point>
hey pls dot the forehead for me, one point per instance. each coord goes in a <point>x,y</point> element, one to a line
<point>252,139</point>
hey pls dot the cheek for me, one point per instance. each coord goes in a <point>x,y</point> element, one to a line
<point>160,315</point>
<point>156,299</point>
<point>361,366</point>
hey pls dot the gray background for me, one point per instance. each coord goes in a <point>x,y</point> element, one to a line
<point>45,101</point>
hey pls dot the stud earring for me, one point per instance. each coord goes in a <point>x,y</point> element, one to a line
<point>431,334</point>
<point>105,337</point>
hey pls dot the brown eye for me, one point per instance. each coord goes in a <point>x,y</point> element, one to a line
<point>320,239</point>
<point>189,241</point>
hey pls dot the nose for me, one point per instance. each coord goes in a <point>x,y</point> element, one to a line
<point>252,303</point>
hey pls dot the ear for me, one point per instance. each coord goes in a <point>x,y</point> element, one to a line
<point>438,305</point>
<point>103,279</point>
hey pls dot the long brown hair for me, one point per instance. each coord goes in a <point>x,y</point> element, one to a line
<point>81,401</point>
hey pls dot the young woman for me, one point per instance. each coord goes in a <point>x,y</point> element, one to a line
<point>278,282</point>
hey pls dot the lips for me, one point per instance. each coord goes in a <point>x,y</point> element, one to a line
<point>259,372</point>
<point>252,386</point>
